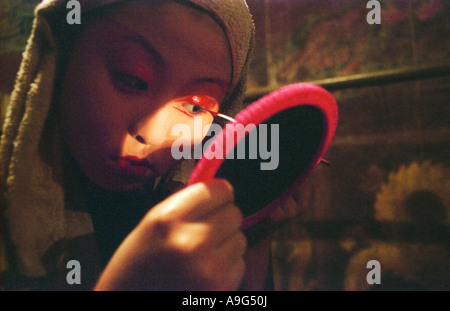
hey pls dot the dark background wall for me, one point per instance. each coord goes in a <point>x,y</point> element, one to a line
<point>386,196</point>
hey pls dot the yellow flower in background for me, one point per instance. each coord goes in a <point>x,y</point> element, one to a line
<point>418,193</point>
<point>417,178</point>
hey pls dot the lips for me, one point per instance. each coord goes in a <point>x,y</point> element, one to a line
<point>131,165</point>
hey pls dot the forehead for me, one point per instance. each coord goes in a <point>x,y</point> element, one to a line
<point>178,32</point>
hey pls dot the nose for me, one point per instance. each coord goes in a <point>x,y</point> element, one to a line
<point>151,129</point>
<point>141,139</point>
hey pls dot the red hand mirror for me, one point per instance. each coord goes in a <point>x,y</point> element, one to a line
<point>296,123</point>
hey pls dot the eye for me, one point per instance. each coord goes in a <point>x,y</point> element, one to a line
<point>131,82</point>
<point>193,109</point>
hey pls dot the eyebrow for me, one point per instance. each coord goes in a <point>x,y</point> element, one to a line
<point>137,38</point>
<point>220,82</point>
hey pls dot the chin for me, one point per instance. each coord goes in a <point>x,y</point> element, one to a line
<point>119,183</point>
<point>122,186</point>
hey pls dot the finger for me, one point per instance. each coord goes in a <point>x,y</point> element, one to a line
<point>235,247</point>
<point>224,223</point>
<point>228,253</point>
<point>197,200</point>
<point>211,233</point>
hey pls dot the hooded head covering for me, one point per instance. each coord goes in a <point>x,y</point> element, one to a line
<point>33,210</point>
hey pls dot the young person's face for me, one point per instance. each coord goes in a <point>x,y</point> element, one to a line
<point>122,84</point>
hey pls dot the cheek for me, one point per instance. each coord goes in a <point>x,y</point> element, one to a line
<point>92,116</point>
